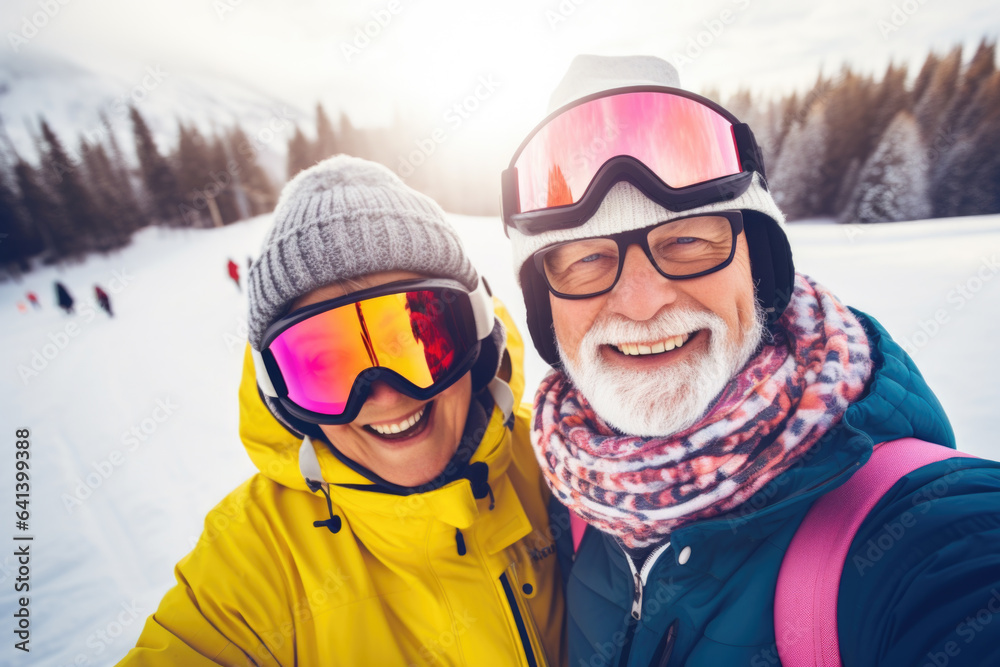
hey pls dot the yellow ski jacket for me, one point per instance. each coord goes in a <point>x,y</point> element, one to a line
<point>264,586</point>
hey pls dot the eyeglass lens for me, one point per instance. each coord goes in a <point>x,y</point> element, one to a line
<point>679,248</point>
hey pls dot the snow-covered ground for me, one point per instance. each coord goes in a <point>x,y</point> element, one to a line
<point>157,384</point>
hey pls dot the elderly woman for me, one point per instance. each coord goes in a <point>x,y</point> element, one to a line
<point>399,517</point>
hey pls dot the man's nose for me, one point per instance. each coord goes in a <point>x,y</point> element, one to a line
<point>641,292</point>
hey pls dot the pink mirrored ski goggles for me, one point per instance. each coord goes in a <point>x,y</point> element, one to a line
<point>680,149</point>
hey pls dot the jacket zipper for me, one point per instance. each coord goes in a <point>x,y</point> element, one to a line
<point>522,630</point>
<point>639,578</point>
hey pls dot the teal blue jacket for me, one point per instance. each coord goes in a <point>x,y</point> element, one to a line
<point>923,592</point>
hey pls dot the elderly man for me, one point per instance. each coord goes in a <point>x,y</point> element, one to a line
<point>706,398</point>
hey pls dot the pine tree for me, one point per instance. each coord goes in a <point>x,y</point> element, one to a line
<point>893,184</point>
<point>976,74</point>
<point>254,183</point>
<point>124,178</point>
<point>982,196</point>
<point>193,176</point>
<point>159,178</point>
<point>116,219</point>
<point>925,75</point>
<point>848,183</point>
<point>788,112</point>
<point>974,103</point>
<point>299,153</point>
<point>766,125</point>
<point>847,110</point>
<point>741,104</point>
<point>974,185</point>
<point>18,243</point>
<point>796,180</point>
<point>967,181</point>
<point>66,181</point>
<point>760,118</point>
<point>352,139</point>
<point>222,183</point>
<point>932,106</point>
<point>44,212</point>
<point>326,138</point>
<point>889,98</point>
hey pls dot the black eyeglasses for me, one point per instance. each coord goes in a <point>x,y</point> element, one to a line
<point>683,248</point>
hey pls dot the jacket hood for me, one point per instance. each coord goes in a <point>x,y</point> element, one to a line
<point>444,576</point>
<point>282,456</point>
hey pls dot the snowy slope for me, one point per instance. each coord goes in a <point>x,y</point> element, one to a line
<point>101,566</point>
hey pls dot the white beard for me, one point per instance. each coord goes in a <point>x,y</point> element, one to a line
<point>661,401</point>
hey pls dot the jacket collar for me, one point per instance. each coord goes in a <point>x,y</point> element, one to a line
<point>453,502</point>
<point>392,523</point>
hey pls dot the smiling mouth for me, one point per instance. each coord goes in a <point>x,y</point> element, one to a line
<point>405,428</point>
<point>658,347</point>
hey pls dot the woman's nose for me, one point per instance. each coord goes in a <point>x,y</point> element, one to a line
<point>383,394</point>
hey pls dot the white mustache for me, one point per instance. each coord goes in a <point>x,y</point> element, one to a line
<point>616,329</point>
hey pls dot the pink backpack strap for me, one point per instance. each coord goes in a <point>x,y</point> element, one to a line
<point>576,527</point>
<point>805,600</point>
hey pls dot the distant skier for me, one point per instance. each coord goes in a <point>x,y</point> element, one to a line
<point>33,299</point>
<point>21,308</point>
<point>234,273</point>
<point>103,300</point>
<point>64,298</point>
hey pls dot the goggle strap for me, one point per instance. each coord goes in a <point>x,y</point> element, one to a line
<point>482,309</point>
<point>309,465</point>
<point>748,150</point>
<point>260,370</point>
<point>503,396</point>
<point>508,196</point>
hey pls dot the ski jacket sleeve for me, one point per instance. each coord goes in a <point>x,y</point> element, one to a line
<point>229,606</point>
<point>921,585</point>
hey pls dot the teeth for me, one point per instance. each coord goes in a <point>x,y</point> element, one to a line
<point>386,429</point>
<point>665,345</point>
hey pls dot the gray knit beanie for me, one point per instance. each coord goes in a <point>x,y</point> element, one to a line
<point>624,207</point>
<point>346,218</point>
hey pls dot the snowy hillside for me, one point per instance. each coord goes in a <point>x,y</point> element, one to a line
<point>72,98</point>
<point>157,383</point>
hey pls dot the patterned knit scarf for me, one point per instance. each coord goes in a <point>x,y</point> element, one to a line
<point>787,396</point>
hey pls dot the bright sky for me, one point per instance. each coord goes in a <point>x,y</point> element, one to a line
<point>430,54</point>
